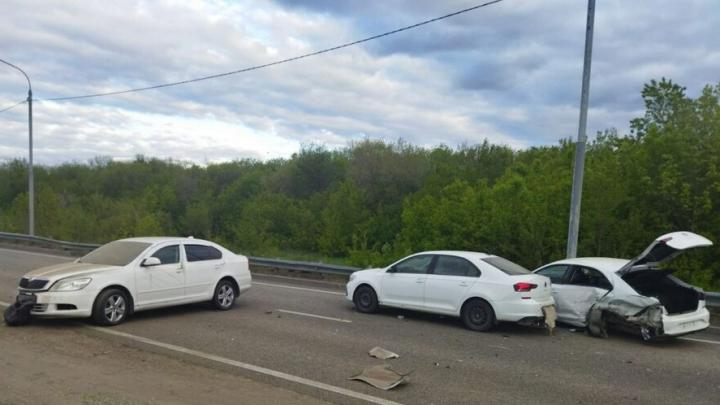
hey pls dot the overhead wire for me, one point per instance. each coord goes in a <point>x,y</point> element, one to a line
<point>13,106</point>
<point>278,62</point>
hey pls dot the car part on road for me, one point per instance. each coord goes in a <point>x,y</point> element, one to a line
<point>111,307</point>
<point>19,313</point>
<point>365,299</point>
<point>478,315</point>
<point>382,354</point>
<point>381,376</point>
<point>224,297</point>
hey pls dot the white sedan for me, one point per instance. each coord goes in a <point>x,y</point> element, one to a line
<point>638,295</point>
<point>136,274</point>
<point>481,289</point>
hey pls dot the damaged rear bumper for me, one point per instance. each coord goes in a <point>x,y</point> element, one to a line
<point>682,324</point>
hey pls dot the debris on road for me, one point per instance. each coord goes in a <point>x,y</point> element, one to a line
<point>382,354</point>
<point>382,377</point>
<point>400,317</point>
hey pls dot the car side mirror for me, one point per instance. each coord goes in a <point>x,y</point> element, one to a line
<point>392,269</point>
<point>150,261</point>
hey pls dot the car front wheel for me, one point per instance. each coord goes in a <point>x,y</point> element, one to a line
<point>111,307</point>
<point>365,299</point>
<point>224,297</point>
<point>478,315</point>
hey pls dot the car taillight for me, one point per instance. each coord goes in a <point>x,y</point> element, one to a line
<point>524,287</point>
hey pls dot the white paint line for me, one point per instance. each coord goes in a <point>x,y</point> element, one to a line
<point>715,342</point>
<point>27,252</point>
<point>314,316</point>
<point>250,367</point>
<point>245,366</point>
<point>298,288</point>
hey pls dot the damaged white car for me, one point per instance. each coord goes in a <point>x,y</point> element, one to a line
<point>481,289</point>
<point>638,295</point>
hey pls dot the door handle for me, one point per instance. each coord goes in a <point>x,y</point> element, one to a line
<point>219,265</point>
<point>419,281</point>
<point>464,284</point>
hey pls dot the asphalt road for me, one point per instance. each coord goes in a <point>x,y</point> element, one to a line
<point>450,365</point>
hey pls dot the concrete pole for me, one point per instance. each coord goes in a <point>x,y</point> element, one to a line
<point>31,179</point>
<point>574,225</point>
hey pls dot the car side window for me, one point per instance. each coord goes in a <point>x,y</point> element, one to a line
<point>414,265</point>
<point>556,274</point>
<point>168,254</point>
<point>197,253</point>
<point>589,277</point>
<point>455,266</point>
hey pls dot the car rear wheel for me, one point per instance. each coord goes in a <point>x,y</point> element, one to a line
<point>478,315</point>
<point>111,307</point>
<point>224,297</point>
<point>365,299</point>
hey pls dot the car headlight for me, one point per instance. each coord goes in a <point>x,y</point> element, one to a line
<point>72,284</point>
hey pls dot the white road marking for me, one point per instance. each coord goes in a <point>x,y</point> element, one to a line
<point>298,288</point>
<point>249,367</point>
<point>245,366</point>
<point>314,316</point>
<point>700,340</point>
<point>69,258</point>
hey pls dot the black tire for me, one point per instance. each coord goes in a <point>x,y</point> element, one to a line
<point>224,295</point>
<point>478,315</point>
<point>111,307</point>
<point>365,299</point>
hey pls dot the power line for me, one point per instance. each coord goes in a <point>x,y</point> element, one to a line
<point>13,106</point>
<point>307,55</point>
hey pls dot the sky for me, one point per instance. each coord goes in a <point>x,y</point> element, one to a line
<point>509,73</point>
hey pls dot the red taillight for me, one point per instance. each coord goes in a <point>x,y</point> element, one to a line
<point>524,287</point>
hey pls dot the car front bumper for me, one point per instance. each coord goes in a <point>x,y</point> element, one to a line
<point>62,304</point>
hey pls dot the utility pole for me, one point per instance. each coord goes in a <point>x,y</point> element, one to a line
<point>31,180</point>
<point>579,170</point>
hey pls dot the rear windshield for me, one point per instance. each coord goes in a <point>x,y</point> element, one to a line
<point>506,266</point>
<point>118,253</point>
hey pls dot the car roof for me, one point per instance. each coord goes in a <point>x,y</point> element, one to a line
<point>159,239</point>
<point>604,264</point>
<point>463,253</point>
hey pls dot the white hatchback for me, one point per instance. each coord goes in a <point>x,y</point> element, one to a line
<point>136,274</point>
<point>638,295</point>
<point>481,289</point>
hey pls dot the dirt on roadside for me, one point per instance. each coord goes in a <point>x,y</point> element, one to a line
<point>56,364</point>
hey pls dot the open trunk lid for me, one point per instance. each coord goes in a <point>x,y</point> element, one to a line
<point>664,249</point>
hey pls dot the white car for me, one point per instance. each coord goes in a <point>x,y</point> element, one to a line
<point>481,289</point>
<point>636,295</point>
<point>136,274</point>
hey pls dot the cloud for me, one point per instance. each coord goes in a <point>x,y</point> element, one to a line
<point>509,73</point>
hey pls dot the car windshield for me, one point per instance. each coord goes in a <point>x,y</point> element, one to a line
<point>506,266</point>
<point>118,253</point>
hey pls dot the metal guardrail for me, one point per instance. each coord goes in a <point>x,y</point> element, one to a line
<point>82,248</point>
<point>712,299</point>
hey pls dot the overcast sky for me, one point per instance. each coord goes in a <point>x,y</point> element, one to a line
<point>509,73</point>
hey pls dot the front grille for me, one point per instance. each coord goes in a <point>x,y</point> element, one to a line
<point>33,284</point>
<point>39,307</point>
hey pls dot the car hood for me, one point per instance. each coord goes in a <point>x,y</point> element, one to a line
<point>663,249</point>
<point>63,270</point>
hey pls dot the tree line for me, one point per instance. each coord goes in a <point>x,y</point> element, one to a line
<point>373,202</point>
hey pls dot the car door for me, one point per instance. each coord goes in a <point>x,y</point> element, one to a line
<point>162,283</point>
<point>203,264</point>
<point>558,275</point>
<point>582,287</point>
<point>447,283</point>
<point>403,284</point>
